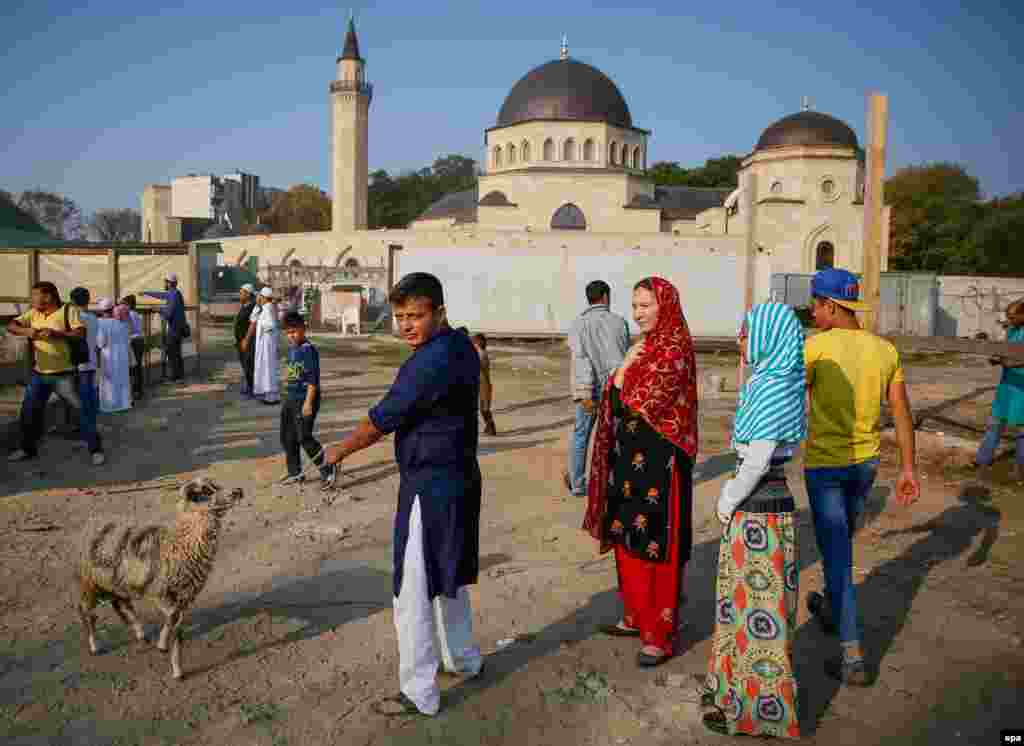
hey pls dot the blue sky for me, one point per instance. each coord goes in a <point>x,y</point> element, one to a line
<point>97,103</point>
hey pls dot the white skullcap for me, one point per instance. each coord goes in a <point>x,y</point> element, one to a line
<point>267,292</point>
<point>247,288</point>
<point>104,304</point>
<point>171,277</point>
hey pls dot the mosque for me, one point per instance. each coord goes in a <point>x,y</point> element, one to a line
<point>565,195</point>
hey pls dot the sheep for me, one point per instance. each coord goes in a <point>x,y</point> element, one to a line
<point>122,562</point>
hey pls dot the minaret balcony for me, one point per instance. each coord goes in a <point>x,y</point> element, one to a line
<point>352,86</point>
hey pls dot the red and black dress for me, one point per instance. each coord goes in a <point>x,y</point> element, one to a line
<point>641,482</point>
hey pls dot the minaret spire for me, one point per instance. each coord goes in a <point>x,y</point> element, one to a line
<point>351,49</point>
<point>564,53</point>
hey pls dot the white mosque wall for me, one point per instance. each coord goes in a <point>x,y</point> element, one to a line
<point>540,290</point>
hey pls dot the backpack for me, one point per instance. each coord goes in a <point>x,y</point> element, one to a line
<point>79,347</point>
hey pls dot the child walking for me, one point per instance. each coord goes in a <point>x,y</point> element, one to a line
<point>1008,407</point>
<point>301,404</point>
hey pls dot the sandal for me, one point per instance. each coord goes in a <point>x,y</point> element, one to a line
<point>716,723</point>
<point>646,660</point>
<point>619,630</point>
<point>396,706</point>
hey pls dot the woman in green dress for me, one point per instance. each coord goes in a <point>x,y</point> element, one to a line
<point>1008,407</point>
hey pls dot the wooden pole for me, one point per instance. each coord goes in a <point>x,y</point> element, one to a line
<point>33,271</point>
<point>197,333</point>
<point>874,208</point>
<point>749,209</point>
<point>113,276</point>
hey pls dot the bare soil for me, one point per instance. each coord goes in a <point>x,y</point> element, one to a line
<point>293,638</point>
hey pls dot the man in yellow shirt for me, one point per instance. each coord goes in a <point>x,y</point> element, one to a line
<point>52,371</point>
<point>849,372</point>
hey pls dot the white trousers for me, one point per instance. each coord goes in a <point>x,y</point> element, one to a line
<point>430,634</point>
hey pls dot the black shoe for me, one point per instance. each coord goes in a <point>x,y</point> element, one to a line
<point>568,482</point>
<point>396,706</point>
<point>853,674</point>
<point>818,606</point>
<point>329,479</point>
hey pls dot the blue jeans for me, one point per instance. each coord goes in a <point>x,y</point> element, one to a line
<point>33,407</point>
<point>578,451</point>
<point>90,398</point>
<point>837,497</point>
<point>987,450</point>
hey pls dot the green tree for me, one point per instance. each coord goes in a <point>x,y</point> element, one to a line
<point>934,209</point>
<point>59,215</point>
<point>12,216</point>
<point>303,208</point>
<point>995,242</point>
<point>394,202</point>
<point>720,173</point>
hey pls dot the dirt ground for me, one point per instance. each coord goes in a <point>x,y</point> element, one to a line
<point>293,637</point>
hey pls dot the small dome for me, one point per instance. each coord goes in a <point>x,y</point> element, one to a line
<point>565,89</point>
<point>807,128</point>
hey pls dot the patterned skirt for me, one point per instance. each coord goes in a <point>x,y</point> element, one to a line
<point>750,672</point>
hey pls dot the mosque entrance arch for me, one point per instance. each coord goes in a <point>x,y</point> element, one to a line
<point>824,256</point>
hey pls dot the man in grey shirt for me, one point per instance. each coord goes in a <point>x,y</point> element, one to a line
<point>599,340</point>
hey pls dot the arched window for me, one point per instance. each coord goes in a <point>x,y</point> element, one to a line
<point>569,150</point>
<point>637,163</point>
<point>511,154</point>
<point>549,150</point>
<point>613,153</point>
<point>526,151</point>
<point>824,256</point>
<point>588,150</point>
<point>776,187</point>
<point>351,263</point>
<point>497,157</point>
<point>568,217</point>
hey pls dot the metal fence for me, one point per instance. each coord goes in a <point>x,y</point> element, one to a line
<point>909,301</point>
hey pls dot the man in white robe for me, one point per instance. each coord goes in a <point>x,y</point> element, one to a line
<point>113,341</point>
<point>263,334</point>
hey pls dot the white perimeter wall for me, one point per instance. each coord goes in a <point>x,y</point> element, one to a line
<point>516,291</point>
<point>968,305</point>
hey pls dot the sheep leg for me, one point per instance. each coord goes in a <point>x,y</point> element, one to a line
<point>171,631</point>
<point>126,611</point>
<point>86,605</point>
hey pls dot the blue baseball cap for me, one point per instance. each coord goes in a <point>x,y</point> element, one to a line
<point>840,286</point>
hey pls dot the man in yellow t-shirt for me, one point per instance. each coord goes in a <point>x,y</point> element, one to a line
<point>849,373</point>
<point>53,371</point>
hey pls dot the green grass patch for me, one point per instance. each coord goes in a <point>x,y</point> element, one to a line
<point>589,687</point>
<point>260,712</point>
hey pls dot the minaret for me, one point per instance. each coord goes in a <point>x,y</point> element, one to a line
<point>350,107</point>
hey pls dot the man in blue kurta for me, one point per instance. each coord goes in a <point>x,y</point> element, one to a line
<point>432,409</point>
<point>173,312</point>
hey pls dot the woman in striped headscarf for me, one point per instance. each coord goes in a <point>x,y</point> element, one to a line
<point>750,688</point>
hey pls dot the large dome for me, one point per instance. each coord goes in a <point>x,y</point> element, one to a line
<point>807,128</point>
<point>565,89</point>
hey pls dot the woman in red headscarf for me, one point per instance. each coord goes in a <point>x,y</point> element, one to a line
<point>640,497</point>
